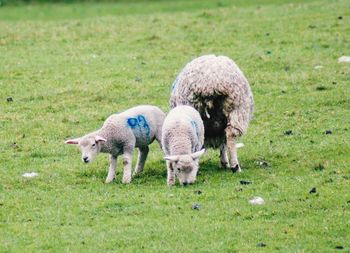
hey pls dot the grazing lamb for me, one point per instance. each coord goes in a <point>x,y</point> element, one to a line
<point>182,142</point>
<point>120,134</point>
<point>217,88</point>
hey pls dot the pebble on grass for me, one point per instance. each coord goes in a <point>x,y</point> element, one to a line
<point>199,192</point>
<point>30,174</point>
<point>344,59</point>
<point>319,167</point>
<point>321,88</point>
<point>263,163</point>
<point>257,201</point>
<point>288,132</point>
<point>313,190</point>
<point>328,132</point>
<point>196,206</point>
<point>138,79</point>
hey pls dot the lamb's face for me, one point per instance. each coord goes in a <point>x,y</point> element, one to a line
<point>89,146</point>
<point>186,169</point>
<point>185,166</point>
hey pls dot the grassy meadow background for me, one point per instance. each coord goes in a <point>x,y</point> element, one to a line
<point>65,67</point>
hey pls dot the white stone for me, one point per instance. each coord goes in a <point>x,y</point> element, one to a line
<point>344,59</point>
<point>257,201</point>
<point>318,67</point>
<point>30,174</point>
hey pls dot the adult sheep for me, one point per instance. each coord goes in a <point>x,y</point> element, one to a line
<point>217,88</point>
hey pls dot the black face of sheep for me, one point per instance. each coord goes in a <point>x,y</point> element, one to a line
<point>218,89</point>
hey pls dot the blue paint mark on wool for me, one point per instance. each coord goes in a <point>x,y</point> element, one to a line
<point>173,86</point>
<point>195,127</point>
<point>132,122</point>
<point>140,126</point>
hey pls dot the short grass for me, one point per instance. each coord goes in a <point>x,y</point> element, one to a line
<point>68,66</point>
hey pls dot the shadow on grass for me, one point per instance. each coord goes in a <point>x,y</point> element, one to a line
<point>155,172</point>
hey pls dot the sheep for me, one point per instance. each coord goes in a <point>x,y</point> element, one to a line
<point>182,142</point>
<point>217,88</point>
<point>120,134</point>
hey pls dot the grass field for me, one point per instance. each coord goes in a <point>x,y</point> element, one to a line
<point>65,67</point>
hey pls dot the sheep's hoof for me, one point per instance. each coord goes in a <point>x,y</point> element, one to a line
<point>137,172</point>
<point>225,165</point>
<point>236,168</point>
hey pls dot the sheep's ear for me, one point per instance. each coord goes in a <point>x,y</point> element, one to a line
<point>197,154</point>
<point>100,139</point>
<point>72,141</point>
<point>173,158</point>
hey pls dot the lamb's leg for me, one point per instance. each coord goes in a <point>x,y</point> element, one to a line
<point>231,144</point>
<point>158,136</point>
<point>127,160</point>
<point>141,159</point>
<point>111,171</point>
<point>171,174</point>
<point>223,156</point>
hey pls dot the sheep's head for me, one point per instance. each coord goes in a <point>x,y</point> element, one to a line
<point>90,146</point>
<point>185,166</point>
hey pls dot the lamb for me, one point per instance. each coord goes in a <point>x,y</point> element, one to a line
<point>120,134</point>
<point>182,142</point>
<point>217,88</point>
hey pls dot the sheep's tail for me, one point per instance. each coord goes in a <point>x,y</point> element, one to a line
<point>207,113</point>
<point>239,145</point>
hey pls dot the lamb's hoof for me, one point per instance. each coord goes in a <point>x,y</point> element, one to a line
<point>171,183</point>
<point>236,168</point>
<point>126,180</point>
<point>109,180</point>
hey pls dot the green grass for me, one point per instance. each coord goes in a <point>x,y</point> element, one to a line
<point>68,66</point>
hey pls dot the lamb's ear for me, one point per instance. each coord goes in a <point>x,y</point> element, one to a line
<point>173,158</point>
<point>72,141</point>
<point>100,139</point>
<point>197,154</point>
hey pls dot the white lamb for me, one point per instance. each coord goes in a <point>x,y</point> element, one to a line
<point>218,89</point>
<point>120,134</point>
<point>182,142</point>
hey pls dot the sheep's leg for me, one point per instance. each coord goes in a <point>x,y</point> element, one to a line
<point>127,160</point>
<point>171,174</point>
<point>141,159</point>
<point>223,156</point>
<point>111,171</point>
<point>231,144</point>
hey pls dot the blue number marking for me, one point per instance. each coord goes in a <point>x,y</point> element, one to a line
<point>139,126</point>
<point>132,122</point>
